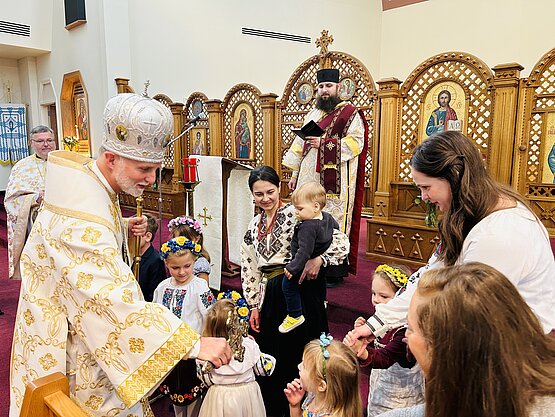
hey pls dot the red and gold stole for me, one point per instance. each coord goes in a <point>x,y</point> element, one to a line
<point>335,126</point>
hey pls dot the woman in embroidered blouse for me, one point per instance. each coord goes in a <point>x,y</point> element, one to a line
<point>265,251</point>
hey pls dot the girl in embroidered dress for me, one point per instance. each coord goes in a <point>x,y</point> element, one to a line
<point>265,251</point>
<point>328,381</point>
<point>192,230</point>
<point>189,298</point>
<point>233,391</point>
<point>395,381</point>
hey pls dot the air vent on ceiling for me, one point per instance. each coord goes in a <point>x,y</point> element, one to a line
<point>15,28</point>
<point>275,35</point>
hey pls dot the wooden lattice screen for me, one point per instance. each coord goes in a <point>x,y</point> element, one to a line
<point>168,162</point>
<point>250,95</point>
<point>537,139</point>
<point>292,112</point>
<point>476,79</point>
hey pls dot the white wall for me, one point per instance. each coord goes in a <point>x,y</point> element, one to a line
<point>496,31</point>
<point>35,13</point>
<point>185,46</point>
<point>9,77</point>
<point>182,47</point>
<point>83,49</point>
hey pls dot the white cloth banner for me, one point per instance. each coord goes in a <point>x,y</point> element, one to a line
<point>209,205</point>
<point>240,211</point>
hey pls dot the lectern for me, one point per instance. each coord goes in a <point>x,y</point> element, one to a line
<point>223,204</point>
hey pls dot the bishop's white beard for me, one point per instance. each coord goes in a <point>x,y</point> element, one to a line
<point>125,183</point>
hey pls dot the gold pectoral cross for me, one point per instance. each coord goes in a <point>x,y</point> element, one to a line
<point>204,216</point>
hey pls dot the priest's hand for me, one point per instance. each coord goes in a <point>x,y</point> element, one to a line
<point>254,321</point>
<point>314,141</point>
<point>215,350</point>
<point>311,268</point>
<point>137,226</point>
<point>292,184</point>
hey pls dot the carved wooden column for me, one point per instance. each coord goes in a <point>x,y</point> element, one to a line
<point>502,144</point>
<point>271,144</point>
<point>177,112</point>
<point>526,104</point>
<point>123,85</point>
<point>215,125</point>
<point>389,96</point>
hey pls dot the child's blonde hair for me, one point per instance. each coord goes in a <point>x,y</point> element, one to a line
<point>189,228</point>
<point>215,324</point>
<point>395,275</point>
<point>311,192</point>
<point>340,373</point>
<point>229,318</point>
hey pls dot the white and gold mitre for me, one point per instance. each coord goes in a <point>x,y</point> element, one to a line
<point>137,127</point>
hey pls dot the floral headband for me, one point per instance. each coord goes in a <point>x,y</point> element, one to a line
<point>178,244</point>
<point>397,277</point>
<point>186,221</point>
<point>325,341</point>
<point>241,307</point>
<point>237,323</point>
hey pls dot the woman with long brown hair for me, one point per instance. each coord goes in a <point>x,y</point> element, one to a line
<point>481,347</point>
<point>483,221</point>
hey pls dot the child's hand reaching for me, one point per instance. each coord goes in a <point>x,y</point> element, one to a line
<point>358,346</point>
<point>360,321</point>
<point>294,392</point>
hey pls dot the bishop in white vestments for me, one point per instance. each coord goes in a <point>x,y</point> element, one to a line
<point>81,310</point>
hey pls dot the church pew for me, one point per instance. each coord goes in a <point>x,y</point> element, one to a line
<point>48,397</point>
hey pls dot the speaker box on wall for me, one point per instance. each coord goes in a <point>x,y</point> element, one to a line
<point>75,13</point>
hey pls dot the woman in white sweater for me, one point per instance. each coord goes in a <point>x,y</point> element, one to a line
<point>483,221</point>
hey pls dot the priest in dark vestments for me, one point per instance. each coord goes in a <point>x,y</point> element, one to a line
<point>335,159</point>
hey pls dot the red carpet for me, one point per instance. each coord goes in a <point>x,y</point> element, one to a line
<point>345,304</point>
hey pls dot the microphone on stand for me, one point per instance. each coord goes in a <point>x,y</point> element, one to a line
<point>189,123</point>
<point>195,119</point>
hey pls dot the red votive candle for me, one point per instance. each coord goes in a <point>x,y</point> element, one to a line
<point>189,169</point>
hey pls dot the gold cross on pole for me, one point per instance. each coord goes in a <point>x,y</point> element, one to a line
<point>147,84</point>
<point>324,41</point>
<point>204,217</point>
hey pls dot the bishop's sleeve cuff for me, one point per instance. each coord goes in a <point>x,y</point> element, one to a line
<point>377,326</point>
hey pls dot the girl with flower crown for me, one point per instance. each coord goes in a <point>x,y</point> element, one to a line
<point>189,298</point>
<point>328,381</point>
<point>233,390</point>
<point>192,230</point>
<point>395,381</point>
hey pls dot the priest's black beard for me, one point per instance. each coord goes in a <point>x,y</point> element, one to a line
<point>328,104</point>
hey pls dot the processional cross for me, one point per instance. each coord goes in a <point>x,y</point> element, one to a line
<point>324,41</point>
<point>204,217</point>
